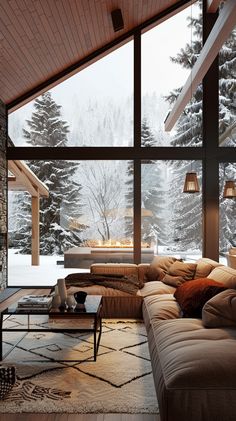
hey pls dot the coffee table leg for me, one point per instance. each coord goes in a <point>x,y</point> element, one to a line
<point>95,339</point>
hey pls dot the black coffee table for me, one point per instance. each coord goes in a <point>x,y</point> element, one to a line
<point>88,317</point>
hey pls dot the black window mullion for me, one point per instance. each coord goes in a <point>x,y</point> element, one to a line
<point>137,146</point>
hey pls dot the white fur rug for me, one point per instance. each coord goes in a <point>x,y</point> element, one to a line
<point>119,381</point>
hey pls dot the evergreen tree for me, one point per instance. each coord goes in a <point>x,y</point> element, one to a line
<point>187,208</point>
<point>58,213</point>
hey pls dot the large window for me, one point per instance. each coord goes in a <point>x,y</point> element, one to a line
<point>124,203</point>
<point>94,107</point>
<point>227,92</point>
<point>87,218</point>
<point>166,64</point>
<point>227,172</point>
<point>171,219</point>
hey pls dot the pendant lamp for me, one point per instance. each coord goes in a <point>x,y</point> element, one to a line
<point>229,190</point>
<point>191,183</point>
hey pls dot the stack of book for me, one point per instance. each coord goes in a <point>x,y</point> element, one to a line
<point>35,302</point>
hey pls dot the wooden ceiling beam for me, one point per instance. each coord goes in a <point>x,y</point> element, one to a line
<point>219,34</point>
<point>213,5</point>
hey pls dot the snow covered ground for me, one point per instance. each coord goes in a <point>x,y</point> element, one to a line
<point>22,273</point>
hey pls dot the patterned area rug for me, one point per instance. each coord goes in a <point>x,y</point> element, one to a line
<point>119,381</point>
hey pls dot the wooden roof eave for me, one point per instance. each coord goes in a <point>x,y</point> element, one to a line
<point>25,179</point>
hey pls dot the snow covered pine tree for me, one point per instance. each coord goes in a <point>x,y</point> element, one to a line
<point>46,128</point>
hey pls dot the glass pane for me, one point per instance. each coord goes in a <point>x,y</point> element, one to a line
<point>86,218</point>
<point>227,171</point>
<point>171,219</point>
<point>92,108</point>
<point>227,92</point>
<point>166,64</point>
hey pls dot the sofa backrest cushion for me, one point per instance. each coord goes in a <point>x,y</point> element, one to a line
<point>204,267</point>
<point>114,268</point>
<point>224,275</point>
<point>220,310</point>
<point>178,273</point>
<point>159,267</point>
<point>192,295</point>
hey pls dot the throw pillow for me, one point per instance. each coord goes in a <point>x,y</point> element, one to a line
<point>178,273</point>
<point>220,310</point>
<point>159,267</point>
<point>192,295</point>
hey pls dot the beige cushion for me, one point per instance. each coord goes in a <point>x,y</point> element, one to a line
<point>142,270</point>
<point>204,267</point>
<point>178,273</point>
<point>225,275</point>
<point>194,370</point>
<point>160,307</point>
<point>158,266</point>
<point>220,310</point>
<point>114,268</point>
<point>154,288</point>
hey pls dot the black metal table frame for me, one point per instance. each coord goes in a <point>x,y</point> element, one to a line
<point>96,333</point>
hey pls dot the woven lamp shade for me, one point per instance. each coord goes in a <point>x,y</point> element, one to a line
<point>229,190</point>
<point>191,183</point>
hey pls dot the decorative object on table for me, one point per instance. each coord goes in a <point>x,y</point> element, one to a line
<point>80,297</point>
<point>70,301</point>
<point>39,302</point>
<point>7,380</point>
<point>56,302</point>
<point>62,292</point>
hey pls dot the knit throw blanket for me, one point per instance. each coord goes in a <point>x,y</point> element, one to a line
<point>130,284</point>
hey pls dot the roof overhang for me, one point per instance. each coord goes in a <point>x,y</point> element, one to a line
<point>23,179</point>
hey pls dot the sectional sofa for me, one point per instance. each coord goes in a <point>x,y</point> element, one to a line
<point>193,358</point>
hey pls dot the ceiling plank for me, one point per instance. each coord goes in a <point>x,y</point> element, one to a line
<point>47,41</point>
<point>220,32</point>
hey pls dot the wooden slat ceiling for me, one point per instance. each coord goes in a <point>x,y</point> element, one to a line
<point>41,39</point>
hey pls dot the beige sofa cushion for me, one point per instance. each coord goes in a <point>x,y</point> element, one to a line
<point>160,307</point>
<point>155,288</point>
<point>194,369</point>
<point>224,275</point>
<point>204,267</point>
<point>178,273</point>
<point>159,267</point>
<point>114,268</point>
<point>220,310</point>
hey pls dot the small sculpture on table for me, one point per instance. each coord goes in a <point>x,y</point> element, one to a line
<point>80,297</point>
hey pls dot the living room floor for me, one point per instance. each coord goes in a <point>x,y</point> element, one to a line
<point>67,417</point>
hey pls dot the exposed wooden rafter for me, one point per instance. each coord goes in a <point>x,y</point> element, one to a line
<point>220,32</point>
<point>213,5</point>
<point>23,178</point>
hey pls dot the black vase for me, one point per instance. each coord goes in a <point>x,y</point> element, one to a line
<point>80,297</point>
